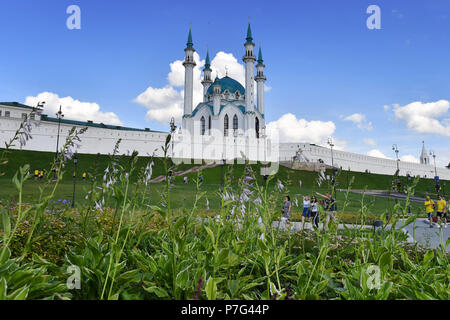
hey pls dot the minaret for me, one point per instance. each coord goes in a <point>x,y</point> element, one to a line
<point>260,79</point>
<point>206,82</point>
<point>249,60</point>
<point>189,65</point>
<point>216,96</point>
<point>424,159</point>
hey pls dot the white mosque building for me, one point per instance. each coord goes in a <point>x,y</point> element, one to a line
<point>228,118</point>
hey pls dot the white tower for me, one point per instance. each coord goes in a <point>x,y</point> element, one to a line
<point>260,80</point>
<point>249,60</point>
<point>189,65</point>
<point>424,159</point>
<point>206,82</point>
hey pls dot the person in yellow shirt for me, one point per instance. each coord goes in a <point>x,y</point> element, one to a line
<point>36,173</point>
<point>429,208</point>
<point>84,175</point>
<point>441,211</point>
<point>41,174</point>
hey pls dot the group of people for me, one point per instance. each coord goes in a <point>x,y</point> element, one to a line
<point>312,208</point>
<point>441,207</point>
<point>39,174</point>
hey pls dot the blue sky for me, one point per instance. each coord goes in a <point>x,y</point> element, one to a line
<point>322,62</point>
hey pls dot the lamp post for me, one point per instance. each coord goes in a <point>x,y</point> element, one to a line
<point>434,158</point>
<point>395,148</point>
<point>330,143</point>
<point>59,115</point>
<point>173,127</point>
<point>75,162</point>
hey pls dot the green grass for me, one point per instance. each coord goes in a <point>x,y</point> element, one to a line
<point>185,193</point>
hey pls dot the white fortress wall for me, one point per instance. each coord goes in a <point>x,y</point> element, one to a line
<point>102,139</point>
<point>358,162</point>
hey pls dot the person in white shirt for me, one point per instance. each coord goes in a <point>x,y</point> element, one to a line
<point>306,210</point>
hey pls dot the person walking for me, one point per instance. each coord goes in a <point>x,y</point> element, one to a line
<point>441,211</point>
<point>330,207</point>
<point>287,209</point>
<point>315,212</point>
<point>306,210</point>
<point>429,208</point>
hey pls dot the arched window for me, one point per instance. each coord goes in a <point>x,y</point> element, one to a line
<point>235,123</point>
<point>257,127</point>
<point>202,126</point>
<point>237,95</point>
<point>225,126</point>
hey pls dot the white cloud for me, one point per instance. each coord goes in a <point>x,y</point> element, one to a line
<point>370,142</point>
<point>291,129</point>
<point>377,153</point>
<point>409,158</point>
<point>360,120</point>
<point>73,109</point>
<point>163,103</point>
<point>433,117</point>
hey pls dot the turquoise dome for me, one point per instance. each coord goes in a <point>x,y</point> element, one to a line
<point>229,84</point>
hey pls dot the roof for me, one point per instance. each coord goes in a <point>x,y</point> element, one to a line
<point>260,58</point>
<point>45,117</point>
<point>207,62</point>
<point>19,105</point>
<point>211,107</point>
<point>249,34</point>
<point>189,43</point>
<point>229,84</point>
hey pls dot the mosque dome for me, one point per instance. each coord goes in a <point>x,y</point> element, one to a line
<point>227,83</point>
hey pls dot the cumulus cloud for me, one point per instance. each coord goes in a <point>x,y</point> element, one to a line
<point>370,142</point>
<point>291,129</point>
<point>409,158</point>
<point>377,153</point>
<point>163,103</point>
<point>73,109</point>
<point>406,158</point>
<point>432,117</point>
<point>360,120</point>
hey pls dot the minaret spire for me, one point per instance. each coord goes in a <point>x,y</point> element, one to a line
<point>260,80</point>
<point>249,60</point>
<point>189,65</point>
<point>207,81</point>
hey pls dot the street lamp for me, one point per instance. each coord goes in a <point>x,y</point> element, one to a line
<point>434,158</point>
<point>59,115</point>
<point>395,148</point>
<point>75,162</point>
<point>330,143</point>
<point>173,127</point>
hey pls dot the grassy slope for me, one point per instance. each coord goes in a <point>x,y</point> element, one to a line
<point>212,180</point>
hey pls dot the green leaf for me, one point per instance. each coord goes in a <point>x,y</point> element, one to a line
<point>211,289</point>
<point>211,235</point>
<point>6,223</point>
<point>3,288</point>
<point>428,257</point>
<point>385,261</point>
<point>160,292</point>
<point>6,253</point>
<point>20,294</point>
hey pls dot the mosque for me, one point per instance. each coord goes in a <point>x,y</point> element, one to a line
<point>227,116</point>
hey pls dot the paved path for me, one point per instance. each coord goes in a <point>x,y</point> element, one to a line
<point>385,194</point>
<point>419,231</point>
<point>182,173</point>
